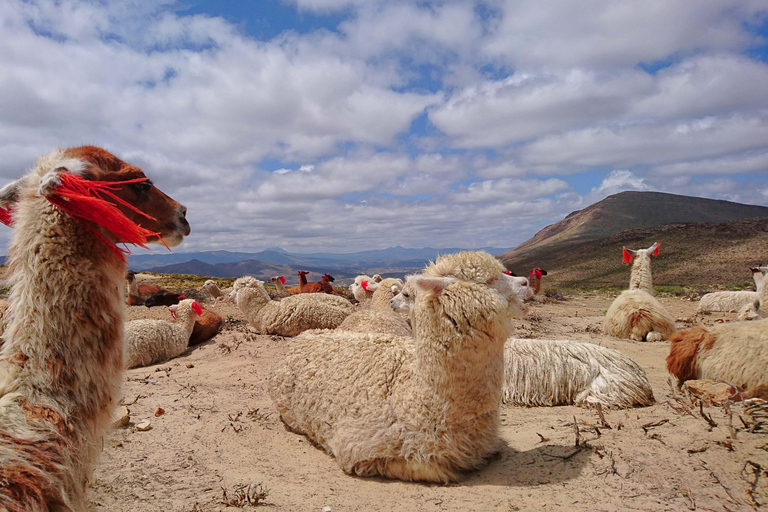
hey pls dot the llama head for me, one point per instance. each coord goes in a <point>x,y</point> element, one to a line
<point>403,301</point>
<point>628,254</point>
<point>328,277</point>
<point>303,273</point>
<point>93,184</point>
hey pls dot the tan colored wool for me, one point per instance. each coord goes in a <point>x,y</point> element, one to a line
<point>737,300</point>
<point>291,315</point>
<point>211,287</point>
<point>564,372</point>
<point>152,341</point>
<point>380,317</point>
<point>636,314</point>
<point>61,362</point>
<point>423,409</point>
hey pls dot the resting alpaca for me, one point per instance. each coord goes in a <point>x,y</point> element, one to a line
<point>279,282</point>
<point>152,341</point>
<point>636,314</point>
<point>564,372</point>
<point>379,317</point>
<point>727,301</point>
<point>206,327</point>
<point>292,315</point>
<point>138,293</point>
<point>424,409</point>
<point>164,298</point>
<point>534,279</point>
<point>211,287</point>
<point>61,363</point>
<point>735,352</point>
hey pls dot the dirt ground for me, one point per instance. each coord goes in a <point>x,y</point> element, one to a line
<point>220,433</point>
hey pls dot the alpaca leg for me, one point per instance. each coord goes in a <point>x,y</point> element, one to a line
<point>654,336</point>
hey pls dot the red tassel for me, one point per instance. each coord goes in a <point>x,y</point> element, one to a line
<point>6,215</point>
<point>656,252</point>
<point>173,314</point>
<point>83,199</point>
<point>627,259</point>
<point>282,279</point>
<point>196,308</point>
<point>364,284</point>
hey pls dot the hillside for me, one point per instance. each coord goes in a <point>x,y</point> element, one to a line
<point>701,253</point>
<point>627,210</point>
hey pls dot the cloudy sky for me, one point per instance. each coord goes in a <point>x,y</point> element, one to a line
<point>346,125</point>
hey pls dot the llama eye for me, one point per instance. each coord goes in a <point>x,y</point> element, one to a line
<point>141,187</point>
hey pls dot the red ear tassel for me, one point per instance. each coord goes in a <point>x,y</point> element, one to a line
<point>656,252</point>
<point>364,284</point>
<point>173,314</point>
<point>282,279</point>
<point>6,215</point>
<point>196,308</point>
<point>537,272</point>
<point>83,199</point>
<point>627,257</point>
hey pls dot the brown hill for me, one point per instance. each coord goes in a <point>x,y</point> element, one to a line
<point>584,249</point>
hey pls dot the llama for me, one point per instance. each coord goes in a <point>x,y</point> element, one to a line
<point>534,279</point>
<point>563,372</point>
<point>322,286</point>
<point>736,353</point>
<point>735,301</point>
<point>422,409</point>
<point>211,287</point>
<point>379,317</point>
<point>61,363</point>
<point>206,327</point>
<point>636,314</point>
<point>279,282</point>
<point>164,298</point>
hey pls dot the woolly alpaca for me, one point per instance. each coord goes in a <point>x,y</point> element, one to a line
<point>360,290</point>
<point>424,409</point>
<point>321,286</point>
<point>206,327</point>
<point>291,315</point>
<point>753,311</point>
<point>636,314</point>
<point>564,372</point>
<point>735,352</point>
<point>211,287</point>
<point>279,282</point>
<point>152,341</point>
<point>138,293</point>
<point>727,301</point>
<point>534,279</point>
<point>61,362</point>
<point>380,317</point>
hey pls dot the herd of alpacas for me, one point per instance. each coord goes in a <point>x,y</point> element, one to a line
<point>387,386</point>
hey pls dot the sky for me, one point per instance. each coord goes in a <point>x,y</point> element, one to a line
<point>349,125</point>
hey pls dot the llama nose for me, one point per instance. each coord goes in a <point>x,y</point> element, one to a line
<point>183,224</point>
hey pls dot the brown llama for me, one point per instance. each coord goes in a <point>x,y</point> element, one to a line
<point>61,362</point>
<point>138,293</point>
<point>322,286</point>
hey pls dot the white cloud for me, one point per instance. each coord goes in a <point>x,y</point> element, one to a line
<point>620,181</point>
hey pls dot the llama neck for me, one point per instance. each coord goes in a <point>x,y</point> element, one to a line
<point>279,285</point>
<point>641,274</point>
<point>185,318</point>
<point>133,288</point>
<point>302,280</point>
<point>760,284</point>
<point>67,322</point>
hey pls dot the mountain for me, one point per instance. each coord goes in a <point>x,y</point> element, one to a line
<point>703,241</point>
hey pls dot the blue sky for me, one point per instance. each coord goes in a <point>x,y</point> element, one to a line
<point>345,125</point>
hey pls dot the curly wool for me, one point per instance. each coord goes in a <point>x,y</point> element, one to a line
<point>564,372</point>
<point>152,341</point>
<point>380,317</point>
<point>291,315</point>
<point>422,409</point>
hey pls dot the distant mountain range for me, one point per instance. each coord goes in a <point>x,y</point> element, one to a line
<point>343,266</point>
<point>703,241</point>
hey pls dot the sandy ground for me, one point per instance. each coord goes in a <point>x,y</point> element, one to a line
<point>220,432</point>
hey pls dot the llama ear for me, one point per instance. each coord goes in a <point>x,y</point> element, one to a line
<point>9,196</point>
<point>626,256</point>
<point>431,284</point>
<point>654,249</point>
<point>543,272</point>
<point>364,284</point>
<point>395,289</point>
<point>372,287</point>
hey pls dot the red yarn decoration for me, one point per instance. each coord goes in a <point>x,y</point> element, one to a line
<point>6,215</point>
<point>656,252</point>
<point>364,284</point>
<point>627,259</point>
<point>84,199</point>
<point>282,279</point>
<point>196,308</point>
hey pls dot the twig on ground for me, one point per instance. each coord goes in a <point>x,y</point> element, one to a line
<point>652,424</point>
<point>600,414</point>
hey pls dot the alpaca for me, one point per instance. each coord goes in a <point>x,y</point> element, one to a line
<point>61,362</point>
<point>279,282</point>
<point>322,286</point>
<point>164,298</point>
<point>753,311</point>
<point>211,287</point>
<point>736,353</point>
<point>422,409</point>
<point>728,301</point>
<point>636,314</point>
<point>152,341</point>
<point>534,279</point>
<point>206,327</point>
<point>563,372</point>
<point>379,317</point>
<point>138,293</point>
<point>292,315</point>
<point>359,288</point>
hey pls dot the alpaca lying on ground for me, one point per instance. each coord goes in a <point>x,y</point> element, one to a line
<point>736,353</point>
<point>754,311</point>
<point>321,286</point>
<point>564,372</point>
<point>164,298</point>
<point>211,287</point>
<point>379,317</point>
<point>737,300</point>
<point>152,341</point>
<point>138,293</point>
<point>534,279</point>
<point>359,288</point>
<point>279,282</point>
<point>61,363</point>
<point>291,315</point>
<point>206,327</point>
<point>424,409</point>
<point>636,314</point>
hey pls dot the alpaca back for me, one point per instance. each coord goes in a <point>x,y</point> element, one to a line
<point>153,341</point>
<point>738,354</point>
